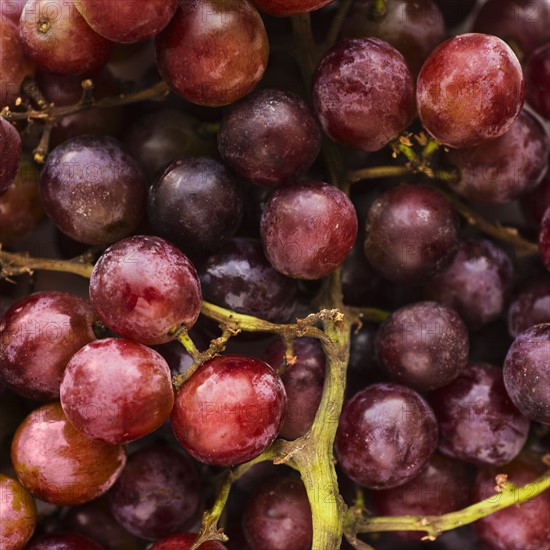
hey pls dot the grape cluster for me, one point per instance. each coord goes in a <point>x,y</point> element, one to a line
<point>317,238</point>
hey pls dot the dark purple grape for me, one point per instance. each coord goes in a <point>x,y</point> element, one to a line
<point>38,336</point>
<point>285,8</point>
<point>470,89</point>
<point>308,229</point>
<point>230,410</point>
<point>535,203</point>
<point>505,168</point>
<point>363,93</point>
<point>477,421</point>
<point>240,278</point>
<point>537,77</point>
<point>363,368</point>
<point>544,238</point>
<point>143,288</point>
<point>270,137</point>
<point>527,373</point>
<point>58,39</point>
<point>93,190</point>
<point>278,515</point>
<point>440,488</point>
<point>213,54</point>
<point>63,541</point>
<point>158,494</point>
<point>387,434</point>
<point>524,527</point>
<point>477,283</point>
<point>196,203</point>
<point>522,23</point>
<point>413,28</point>
<point>455,11</point>
<point>531,306</point>
<point>303,381</point>
<point>424,346</point>
<point>10,152</point>
<point>185,542</point>
<point>412,233</point>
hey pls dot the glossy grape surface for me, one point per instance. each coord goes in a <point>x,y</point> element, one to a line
<point>117,391</point>
<point>412,233</point>
<point>213,53</point>
<point>387,434</point>
<point>93,190</point>
<point>240,278</point>
<point>65,541</point>
<point>158,494</point>
<point>537,77</point>
<point>196,203</point>
<point>270,137</point>
<point>58,464</point>
<point>230,410</point>
<point>144,287</point>
<point>423,346</point>
<point>10,151</point>
<point>505,168</point>
<point>470,89</point>
<point>477,421</point>
<point>527,373</point>
<point>184,542</point>
<point>38,336</point>
<point>308,229</point>
<point>58,39</point>
<point>531,306</point>
<point>363,93</point>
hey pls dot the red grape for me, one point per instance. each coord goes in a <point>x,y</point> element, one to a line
<point>116,391</point>
<point>308,229</point>
<point>537,77</point>
<point>531,306</point>
<point>470,89</point>
<point>38,336</point>
<point>535,203</point>
<point>477,421</point>
<point>127,21</point>
<point>17,514</point>
<point>527,373</point>
<point>285,8</point>
<point>60,465</point>
<point>10,152</point>
<point>63,542</point>
<point>213,53</point>
<point>230,410</point>
<point>143,288</point>
<point>58,39</point>
<point>387,434</point>
<point>544,238</point>
<point>184,542</point>
<point>363,93</point>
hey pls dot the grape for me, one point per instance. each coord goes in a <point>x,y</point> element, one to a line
<point>505,168</point>
<point>524,527</point>
<point>477,421</point>
<point>58,39</point>
<point>535,203</point>
<point>195,203</point>
<point>270,137</point>
<point>125,21</point>
<point>527,373</point>
<point>476,284</point>
<point>14,67</point>
<point>470,89</point>
<point>20,206</point>
<point>158,494</point>
<point>530,307</point>
<point>230,410</point>
<point>10,151</point>
<point>240,278</point>
<point>424,346</point>
<point>213,53</point>
<point>143,288</point>
<point>413,28</point>
<point>278,515</point>
<point>412,233</point>
<point>285,8</point>
<point>455,11</point>
<point>440,488</point>
<point>60,465</point>
<point>387,434</point>
<point>17,514</point>
<point>63,542</point>
<point>303,383</point>
<point>184,542</point>
<point>363,93</point>
<point>537,77</point>
<point>523,23</point>
<point>116,391</point>
<point>308,229</point>
<point>544,238</point>
<point>38,336</point>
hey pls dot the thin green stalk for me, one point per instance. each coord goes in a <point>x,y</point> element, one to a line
<point>376,172</point>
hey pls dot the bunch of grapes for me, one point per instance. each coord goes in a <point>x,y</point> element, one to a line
<point>274,274</point>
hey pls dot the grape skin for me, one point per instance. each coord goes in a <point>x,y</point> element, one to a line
<point>10,152</point>
<point>537,76</point>
<point>17,514</point>
<point>286,8</point>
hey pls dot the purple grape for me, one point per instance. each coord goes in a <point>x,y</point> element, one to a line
<point>63,541</point>
<point>10,152</point>
<point>537,77</point>
<point>531,306</point>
